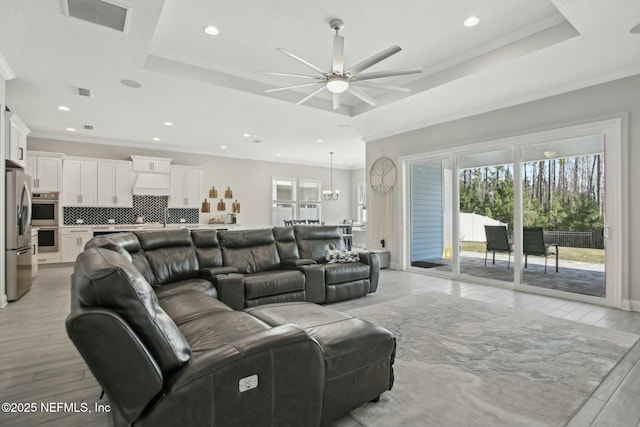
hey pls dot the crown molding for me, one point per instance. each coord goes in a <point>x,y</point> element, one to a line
<point>5,71</point>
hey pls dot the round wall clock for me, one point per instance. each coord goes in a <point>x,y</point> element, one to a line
<point>382,175</point>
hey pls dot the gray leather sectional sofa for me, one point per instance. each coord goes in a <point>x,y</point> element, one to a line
<point>246,268</point>
<point>147,318</point>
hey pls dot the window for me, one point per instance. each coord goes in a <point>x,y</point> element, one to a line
<point>283,197</point>
<point>361,191</point>
<point>295,198</point>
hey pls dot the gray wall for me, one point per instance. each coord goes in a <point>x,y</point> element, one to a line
<point>580,106</point>
<point>250,180</point>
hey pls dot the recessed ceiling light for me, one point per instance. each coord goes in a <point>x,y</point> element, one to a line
<point>131,83</point>
<point>246,135</point>
<point>319,140</point>
<point>471,21</point>
<point>155,138</point>
<point>63,108</point>
<point>224,147</point>
<point>71,129</point>
<point>168,123</point>
<point>211,30</point>
<point>279,155</point>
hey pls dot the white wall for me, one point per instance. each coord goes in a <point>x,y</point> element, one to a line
<point>580,106</point>
<point>3,284</point>
<point>250,180</point>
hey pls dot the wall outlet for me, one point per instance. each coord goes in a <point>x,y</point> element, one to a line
<point>79,221</point>
<point>111,221</point>
<point>182,220</point>
<point>248,383</point>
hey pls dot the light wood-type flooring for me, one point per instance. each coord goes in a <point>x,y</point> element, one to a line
<point>39,364</point>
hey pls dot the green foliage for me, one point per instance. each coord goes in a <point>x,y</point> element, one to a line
<point>489,191</point>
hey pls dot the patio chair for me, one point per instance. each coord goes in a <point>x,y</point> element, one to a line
<point>497,241</point>
<point>533,244</point>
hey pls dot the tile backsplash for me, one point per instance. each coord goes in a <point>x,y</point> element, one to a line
<point>151,207</point>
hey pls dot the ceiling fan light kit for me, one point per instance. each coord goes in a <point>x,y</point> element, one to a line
<point>339,80</point>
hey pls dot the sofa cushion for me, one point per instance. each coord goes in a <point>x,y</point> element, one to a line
<point>189,305</point>
<point>314,241</point>
<point>207,248</point>
<point>170,254</point>
<point>286,243</point>
<point>129,246</point>
<point>200,285</point>
<point>104,278</point>
<point>250,251</point>
<point>268,283</point>
<point>346,272</point>
<point>208,332</point>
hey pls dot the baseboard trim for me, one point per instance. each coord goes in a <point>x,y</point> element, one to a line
<point>394,266</point>
<point>3,301</point>
<point>631,304</point>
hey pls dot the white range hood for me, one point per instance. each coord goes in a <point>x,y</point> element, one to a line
<point>153,176</point>
<point>152,184</point>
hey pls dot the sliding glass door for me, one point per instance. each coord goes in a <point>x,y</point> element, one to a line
<point>529,213</point>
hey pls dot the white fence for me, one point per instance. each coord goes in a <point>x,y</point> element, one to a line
<point>472,227</point>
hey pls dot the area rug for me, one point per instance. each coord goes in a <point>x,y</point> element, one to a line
<point>426,264</point>
<point>461,362</point>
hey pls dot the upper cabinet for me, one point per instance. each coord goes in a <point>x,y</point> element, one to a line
<point>186,187</point>
<point>151,164</point>
<point>115,184</point>
<point>45,170</point>
<point>16,140</point>
<point>80,182</point>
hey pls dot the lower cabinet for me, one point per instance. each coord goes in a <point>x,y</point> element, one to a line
<point>72,242</point>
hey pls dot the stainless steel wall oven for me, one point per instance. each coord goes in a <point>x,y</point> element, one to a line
<point>45,209</point>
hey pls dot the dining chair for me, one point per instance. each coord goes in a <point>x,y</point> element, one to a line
<point>288,223</point>
<point>299,221</point>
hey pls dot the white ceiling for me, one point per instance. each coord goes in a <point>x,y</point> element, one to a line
<point>208,86</point>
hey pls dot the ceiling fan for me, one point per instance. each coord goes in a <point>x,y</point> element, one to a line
<point>339,80</point>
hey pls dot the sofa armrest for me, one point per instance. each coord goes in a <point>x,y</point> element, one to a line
<point>314,282</point>
<point>295,262</point>
<point>120,362</point>
<point>213,271</point>
<point>372,259</point>
<point>231,290</point>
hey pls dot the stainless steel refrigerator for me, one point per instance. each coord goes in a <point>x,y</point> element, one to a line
<point>19,253</point>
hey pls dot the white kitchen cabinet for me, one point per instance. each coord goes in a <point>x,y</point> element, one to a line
<point>186,187</point>
<point>16,140</point>
<point>114,184</point>
<point>72,242</point>
<point>80,182</point>
<point>151,164</point>
<point>45,171</point>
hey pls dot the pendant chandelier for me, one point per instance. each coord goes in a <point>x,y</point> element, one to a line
<point>331,194</point>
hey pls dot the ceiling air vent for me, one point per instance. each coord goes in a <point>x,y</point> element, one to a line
<point>84,92</point>
<point>87,127</point>
<point>99,12</point>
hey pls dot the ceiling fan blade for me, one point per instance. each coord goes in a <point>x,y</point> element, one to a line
<point>374,85</point>
<point>288,75</point>
<point>391,73</point>
<point>338,55</point>
<point>336,101</point>
<point>304,61</point>
<point>311,95</point>
<point>373,60</point>
<point>363,96</point>
<point>292,87</point>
